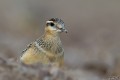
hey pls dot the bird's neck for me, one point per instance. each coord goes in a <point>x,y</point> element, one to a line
<point>48,34</point>
<point>52,39</point>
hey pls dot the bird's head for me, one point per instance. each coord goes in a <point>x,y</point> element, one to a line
<point>56,25</point>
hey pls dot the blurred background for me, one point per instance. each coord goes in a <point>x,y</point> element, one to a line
<point>93,40</point>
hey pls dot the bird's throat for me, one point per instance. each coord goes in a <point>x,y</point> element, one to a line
<point>51,34</point>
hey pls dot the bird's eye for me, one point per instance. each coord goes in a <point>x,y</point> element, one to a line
<point>52,24</point>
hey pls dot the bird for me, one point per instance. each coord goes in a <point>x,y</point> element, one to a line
<point>47,49</point>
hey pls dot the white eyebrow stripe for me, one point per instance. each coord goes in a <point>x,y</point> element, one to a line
<point>49,21</point>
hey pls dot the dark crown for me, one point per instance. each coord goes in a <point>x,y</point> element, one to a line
<point>57,20</point>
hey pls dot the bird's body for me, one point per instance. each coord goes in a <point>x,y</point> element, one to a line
<point>47,49</point>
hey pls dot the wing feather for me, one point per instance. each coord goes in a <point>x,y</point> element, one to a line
<point>32,54</point>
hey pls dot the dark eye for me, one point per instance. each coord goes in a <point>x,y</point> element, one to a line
<point>52,24</point>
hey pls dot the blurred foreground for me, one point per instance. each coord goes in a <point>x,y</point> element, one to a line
<point>92,46</point>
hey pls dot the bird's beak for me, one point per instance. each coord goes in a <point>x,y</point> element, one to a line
<point>65,30</point>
